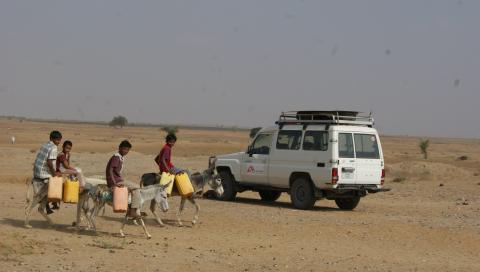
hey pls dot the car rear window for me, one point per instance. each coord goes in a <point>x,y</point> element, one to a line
<point>289,139</point>
<point>345,145</point>
<point>366,146</point>
<point>315,140</point>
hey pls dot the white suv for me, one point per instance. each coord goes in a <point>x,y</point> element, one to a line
<point>312,155</point>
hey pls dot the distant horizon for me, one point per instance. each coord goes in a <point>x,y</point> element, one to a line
<point>206,126</point>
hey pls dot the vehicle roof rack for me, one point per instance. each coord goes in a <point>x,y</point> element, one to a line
<point>337,117</point>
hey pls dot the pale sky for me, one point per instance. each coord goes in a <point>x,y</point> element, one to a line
<point>414,63</point>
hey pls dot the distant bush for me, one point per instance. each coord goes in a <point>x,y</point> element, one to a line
<point>170,130</point>
<point>463,158</point>
<point>119,121</point>
<point>424,147</point>
<point>254,131</point>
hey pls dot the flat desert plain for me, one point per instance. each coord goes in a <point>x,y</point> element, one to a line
<point>430,221</point>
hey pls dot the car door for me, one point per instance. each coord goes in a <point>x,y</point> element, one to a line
<point>254,168</point>
<point>346,161</point>
<point>368,163</point>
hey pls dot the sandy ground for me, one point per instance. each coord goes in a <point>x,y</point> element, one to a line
<point>428,222</point>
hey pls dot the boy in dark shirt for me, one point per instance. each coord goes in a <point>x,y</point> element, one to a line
<point>114,172</point>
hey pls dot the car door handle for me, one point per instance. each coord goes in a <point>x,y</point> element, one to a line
<point>348,169</point>
<point>320,164</point>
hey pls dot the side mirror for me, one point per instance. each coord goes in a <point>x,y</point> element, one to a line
<point>249,151</point>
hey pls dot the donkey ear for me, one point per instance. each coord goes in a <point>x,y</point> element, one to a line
<point>166,185</point>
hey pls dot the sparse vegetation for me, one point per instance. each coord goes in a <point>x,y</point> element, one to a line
<point>254,131</point>
<point>463,158</point>
<point>424,143</point>
<point>118,121</point>
<point>170,129</point>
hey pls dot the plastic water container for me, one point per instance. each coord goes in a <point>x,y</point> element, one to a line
<point>184,185</point>
<point>120,199</point>
<point>55,186</point>
<point>165,179</point>
<point>71,189</point>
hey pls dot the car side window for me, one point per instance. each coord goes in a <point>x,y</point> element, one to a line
<point>345,145</point>
<point>315,140</point>
<point>289,139</point>
<point>261,145</point>
<point>366,146</point>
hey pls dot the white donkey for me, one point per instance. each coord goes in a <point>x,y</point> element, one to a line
<point>199,182</point>
<point>93,200</point>
<point>39,197</point>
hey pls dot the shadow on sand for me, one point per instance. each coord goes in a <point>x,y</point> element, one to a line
<point>275,204</point>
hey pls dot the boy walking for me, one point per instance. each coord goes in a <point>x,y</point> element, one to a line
<point>44,166</point>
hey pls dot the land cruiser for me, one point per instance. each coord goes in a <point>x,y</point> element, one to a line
<point>311,155</point>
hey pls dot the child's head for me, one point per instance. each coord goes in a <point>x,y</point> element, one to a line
<point>124,147</point>
<point>56,137</point>
<point>67,146</point>
<point>171,139</point>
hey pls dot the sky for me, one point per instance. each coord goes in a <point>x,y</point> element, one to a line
<point>413,63</point>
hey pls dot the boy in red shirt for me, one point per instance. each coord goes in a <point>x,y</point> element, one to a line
<point>64,167</point>
<point>164,158</point>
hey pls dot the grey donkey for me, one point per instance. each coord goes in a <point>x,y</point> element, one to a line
<point>39,197</point>
<point>94,200</point>
<point>199,182</point>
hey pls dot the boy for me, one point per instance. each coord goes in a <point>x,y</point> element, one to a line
<point>163,159</point>
<point>44,166</point>
<point>64,167</point>
<point>114,172</point>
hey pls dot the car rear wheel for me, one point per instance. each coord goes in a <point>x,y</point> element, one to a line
<point>269,195</point>
<point>347,203</point>
<point>302,194</point>
<point>228,183</point>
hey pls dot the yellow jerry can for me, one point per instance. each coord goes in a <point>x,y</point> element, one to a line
<point>55,186</point>
<point>71,189</point>
<point>165,179</point>
<point>184,185</point>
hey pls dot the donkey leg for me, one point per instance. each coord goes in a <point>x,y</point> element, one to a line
<point>145,229</point>
<point>180,210</point>
<point>153,206</point>
<point>197,210</point>
<point>28,211</point>
<point>123,226</point>
<point>41,210</point>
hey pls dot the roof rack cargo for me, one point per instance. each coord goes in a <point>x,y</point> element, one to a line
<point>326,117</point>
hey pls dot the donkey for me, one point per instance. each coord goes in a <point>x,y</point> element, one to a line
<point>40,190</point>
<point>101,195</point>
<point>199,181</point>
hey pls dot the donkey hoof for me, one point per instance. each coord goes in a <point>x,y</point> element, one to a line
<point>194,222</point>
<point>149,237</point>
<point>27,226</point>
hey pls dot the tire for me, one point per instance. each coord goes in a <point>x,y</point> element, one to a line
<point>269,195</point>
<point>228,183</point>
<point>347,203</point>
<point>302,194</point>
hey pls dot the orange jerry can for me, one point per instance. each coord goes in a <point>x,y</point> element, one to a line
<point>165,179</point>
<point>55,186</point>
<point>120,199</point>
<point>184,185</point>
<point>71,189</point>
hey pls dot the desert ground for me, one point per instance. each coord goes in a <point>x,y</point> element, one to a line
<point>429,221</point>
